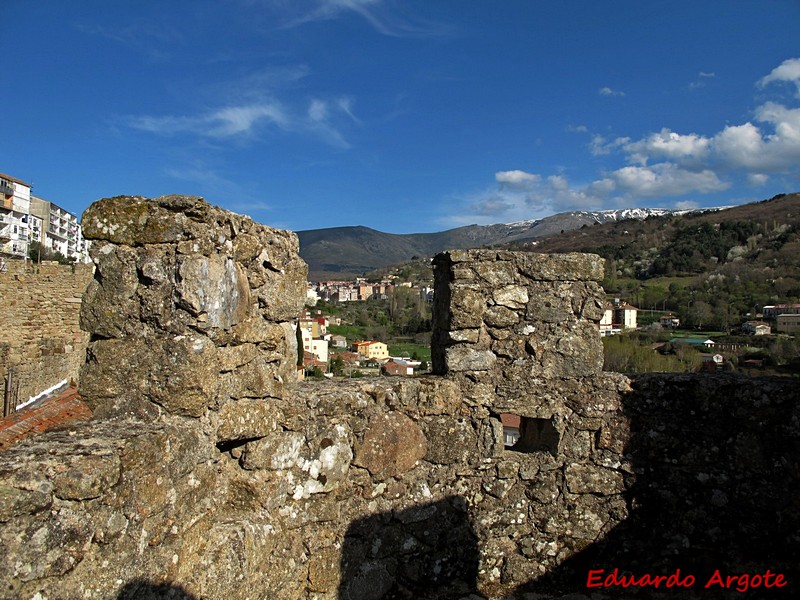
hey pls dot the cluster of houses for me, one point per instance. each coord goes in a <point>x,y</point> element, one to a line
<point>359,290</point>
<point>620,316</point>
<point>25,218</point>
<point>786,316</point>
<point>319,347</point>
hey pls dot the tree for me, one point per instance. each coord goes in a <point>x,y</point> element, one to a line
<point>37,252</point>
<point>337,365</point>
<point>699,313</point>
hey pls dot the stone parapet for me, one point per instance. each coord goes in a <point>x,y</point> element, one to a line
<point>517,315</point>
<point>216,479</point>
<point>189,307</point>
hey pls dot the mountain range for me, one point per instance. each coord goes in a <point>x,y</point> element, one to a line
<point>347,252</point>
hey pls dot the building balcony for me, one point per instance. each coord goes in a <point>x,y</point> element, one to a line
<point>6,187</point>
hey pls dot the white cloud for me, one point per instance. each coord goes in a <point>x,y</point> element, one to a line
<point>661,165</point>
<point>746,146</point>
<point>607,91</point>
<point>515,178</point>
<point>665,179</point>
<point>669,145</point>
<point>686,205</point>
<point>236,120</point>
<point>788,71</point>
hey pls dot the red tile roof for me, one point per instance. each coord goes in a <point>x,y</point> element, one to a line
<point>66,407</point>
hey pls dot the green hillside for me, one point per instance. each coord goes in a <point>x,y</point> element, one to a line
<point>713,268</point>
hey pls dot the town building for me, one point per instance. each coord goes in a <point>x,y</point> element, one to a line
<point>789,323</point>
<point>670,321</point>
<point>618,317</point>
<point>756,328</point>
<point>61,230</point>
<point>398,367</point>
<point>511,428</point>
<point>371,349</point>
<point>14,217</point>
<point>774,310</point>
<point>338,341</point>
<point>317,348</point>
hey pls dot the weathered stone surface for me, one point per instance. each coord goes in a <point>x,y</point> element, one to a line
<point>16,502</point>
<point>178,374</point>
<point>136,220</point>
<point>500,317</point>
<point>216,287</point>
<point>511,296</point>
<point>87,476</point>
<point>392,445</point>
<point>279,450</point>
<point>586,479</point>
<point>247,419</point>
<point>465,358</point>
<point>188,307</point>
<point>562,267</point>
<point>451,440</point>
<point>468,306</point>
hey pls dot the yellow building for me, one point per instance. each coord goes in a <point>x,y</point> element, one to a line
<point>370,349</point>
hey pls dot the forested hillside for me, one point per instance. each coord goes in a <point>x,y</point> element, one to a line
<point>714,268</point>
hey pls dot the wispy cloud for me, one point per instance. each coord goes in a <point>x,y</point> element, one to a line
<point>151,38</point>
<point>607,91</point>
<point>665,166</point>
<point>702,79</point>
<point>321,119</point>
<point>379,14</point>
<point>224,122</point>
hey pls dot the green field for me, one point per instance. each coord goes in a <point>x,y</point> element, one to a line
<point>409,349</point>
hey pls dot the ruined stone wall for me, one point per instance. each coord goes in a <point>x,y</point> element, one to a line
<point>41,305</point>
<point>208,474</point>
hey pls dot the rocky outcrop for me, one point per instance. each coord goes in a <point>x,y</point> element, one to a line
<point>207,473</point>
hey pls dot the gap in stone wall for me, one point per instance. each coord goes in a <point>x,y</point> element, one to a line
<point>529,435</point>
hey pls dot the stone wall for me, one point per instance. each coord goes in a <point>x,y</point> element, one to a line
<point>207,474</point>
<point>41,305</point>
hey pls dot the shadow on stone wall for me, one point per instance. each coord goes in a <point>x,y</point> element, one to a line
<point>143,589</point>
<point>716,464</point>
<point>423,552</point>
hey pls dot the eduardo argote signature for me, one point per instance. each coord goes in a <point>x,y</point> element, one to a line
<point>600,578</point>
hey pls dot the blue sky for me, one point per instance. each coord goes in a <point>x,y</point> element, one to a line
<point>405,116</point>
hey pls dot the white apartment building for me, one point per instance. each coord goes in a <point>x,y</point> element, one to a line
<point>62,232</point>
<point>14,216</point>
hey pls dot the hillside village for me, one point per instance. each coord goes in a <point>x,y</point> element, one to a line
<point>32,227</point>
<point>328,354</point>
